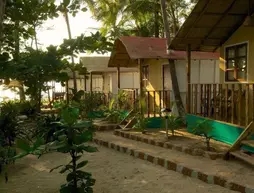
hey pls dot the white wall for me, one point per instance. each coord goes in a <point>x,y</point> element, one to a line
<point>97,83</point>
<point>202,72</point>
<point>128,80</point>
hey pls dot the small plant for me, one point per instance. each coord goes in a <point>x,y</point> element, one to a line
<point>141,123</point>
<point>112,113</point>
<point>204,128</point>
<point>122,99</point>
<point>71,139</point>
<point>173,123</point>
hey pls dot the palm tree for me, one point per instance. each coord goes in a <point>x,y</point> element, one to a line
<point>172,67</point>
<point>2,10</point>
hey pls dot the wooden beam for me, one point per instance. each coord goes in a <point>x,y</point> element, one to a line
<point>188,66</point>
<point>246,132</point>
<point>198,41</point>
<point>219,20</point>
<point>197,18</point>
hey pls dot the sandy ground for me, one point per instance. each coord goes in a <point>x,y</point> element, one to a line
<point>183,138</point>
<point>114,173</point>
<point>234,170</point>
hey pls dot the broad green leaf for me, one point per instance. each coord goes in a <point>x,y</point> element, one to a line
<point>57,145</point>
<point>81,148</point>
<point>83,137</point>
<point>67,167</point>
<point>82,164</point>
<point>84,9</point>
<point>23,145</point>
<point>21,155</point>
<point>66,2</point>
<point>38,143</point>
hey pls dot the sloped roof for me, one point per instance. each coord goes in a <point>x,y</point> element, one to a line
<point>100,64</point>
<point>211,23</point>
<point>132,47</point>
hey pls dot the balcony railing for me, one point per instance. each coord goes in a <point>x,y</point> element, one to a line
<point>232,103</point>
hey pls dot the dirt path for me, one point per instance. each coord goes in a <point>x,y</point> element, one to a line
<point>114,173</point>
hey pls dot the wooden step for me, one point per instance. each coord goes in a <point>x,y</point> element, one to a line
<point>243,156</point>
<point>249,142</point>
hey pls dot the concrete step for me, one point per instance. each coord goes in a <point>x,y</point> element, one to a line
<point>243,156</point>
<point>218,172</point>
<point>249,143</point>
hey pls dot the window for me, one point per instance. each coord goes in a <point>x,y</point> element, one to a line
<point>145,74</point>
<point>236,63</point>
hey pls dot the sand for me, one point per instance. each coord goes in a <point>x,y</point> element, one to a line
<point>114,173</point>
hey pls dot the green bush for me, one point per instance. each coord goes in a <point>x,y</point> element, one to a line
<point>71,138</point>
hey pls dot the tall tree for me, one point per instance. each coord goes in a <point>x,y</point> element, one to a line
<point>176,90</point>
<point>2,10</point>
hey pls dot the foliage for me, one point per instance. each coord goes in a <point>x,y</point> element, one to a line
<point>173,123</point>
<point>27,108</point>
<point>9,130</point>
<point>71,139</point>
<point>92,101</point>
<point>142,122</point>
<point>46,127</point>
<point>122,99</point>
<point>138,17</point>
<point>204,128</point>
<point>112,112</point>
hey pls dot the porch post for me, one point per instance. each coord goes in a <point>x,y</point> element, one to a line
<point>188,68</point>
<point>118,77</point>
<point>91,82</point>
<point>141,86</point>
<point>85,82</point>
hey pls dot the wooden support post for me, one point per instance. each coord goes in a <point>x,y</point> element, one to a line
<point>85,82</point>
<point>247,90</point>
<point>188,68</point>
<point>91,82</point>
<point>232,103</point>
<point>141,86</point>
<point>118,77</point>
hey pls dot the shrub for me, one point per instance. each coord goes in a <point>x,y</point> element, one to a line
<point>204,128</point>
<point>173,123</point>
<point>71,139</point>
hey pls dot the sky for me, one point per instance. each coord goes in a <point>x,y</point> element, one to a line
<point>54,31</point>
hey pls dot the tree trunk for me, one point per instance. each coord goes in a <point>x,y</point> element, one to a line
<point>172,68</point>
<point>156,19</point>
<point>22,96</point>
<point>72,58</point>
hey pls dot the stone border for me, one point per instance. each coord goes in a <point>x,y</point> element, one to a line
<point>168,145</point>
<point>170,165</point>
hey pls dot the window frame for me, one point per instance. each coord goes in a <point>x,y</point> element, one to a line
<point>236,57</point>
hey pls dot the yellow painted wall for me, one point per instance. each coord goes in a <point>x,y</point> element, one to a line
<point>155,80</point>
<point>243,34</point>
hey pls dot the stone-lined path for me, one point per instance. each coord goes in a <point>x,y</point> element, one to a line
<point>114,173</point>
<point>231,175</point>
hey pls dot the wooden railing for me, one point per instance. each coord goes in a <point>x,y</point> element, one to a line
<point>156,100</point>
<point>232,103</point>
